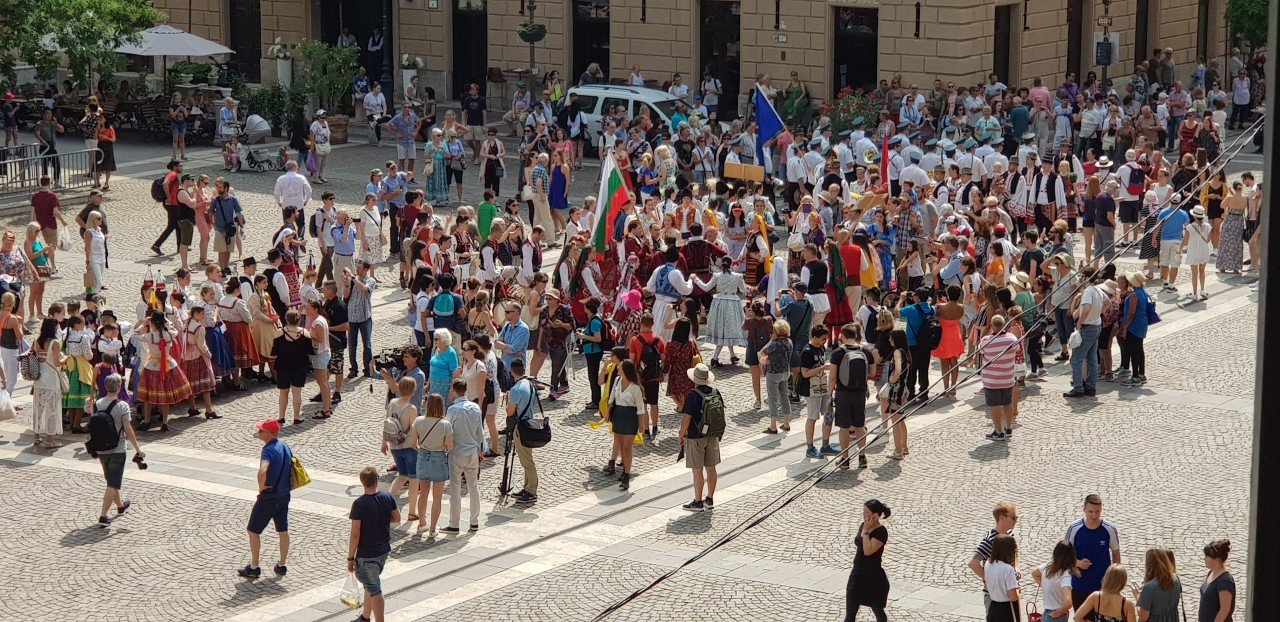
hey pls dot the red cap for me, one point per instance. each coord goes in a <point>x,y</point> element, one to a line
<point>1000,228</point>
<point>270,425</point>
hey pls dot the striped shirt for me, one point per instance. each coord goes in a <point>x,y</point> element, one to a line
<point>998,354</point>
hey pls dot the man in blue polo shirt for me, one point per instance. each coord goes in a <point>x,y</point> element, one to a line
<point>1097,544</point>
<point>1173,220</point>
<point>915,309</point>
<point>275,476</point>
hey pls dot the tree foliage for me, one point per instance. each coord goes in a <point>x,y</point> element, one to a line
<point>39,32</point>
<point>327,71</point>
<point>1247,21</point>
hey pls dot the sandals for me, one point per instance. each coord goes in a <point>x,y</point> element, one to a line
<point>210,414</point>
<point>296,421</point>
<point>412,518</point>
<point>770,431</point>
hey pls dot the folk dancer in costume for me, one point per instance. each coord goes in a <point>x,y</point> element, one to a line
<point>725,319</point>
<point>699,255</point>
<point>669,286</point>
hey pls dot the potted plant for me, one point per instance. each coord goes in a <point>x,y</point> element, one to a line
<point>531,33</point>
<point>326,74</point>
<point>409,67</point>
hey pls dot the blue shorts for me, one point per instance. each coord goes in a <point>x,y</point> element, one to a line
<point>267,509</point>
<point>321,360</point>
<point>369,572</point>
<point>433,466</point>
<point>406,462</point>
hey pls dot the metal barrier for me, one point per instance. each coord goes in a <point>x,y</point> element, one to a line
<point>21,174</point>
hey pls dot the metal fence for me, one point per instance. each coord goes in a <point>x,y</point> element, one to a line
<point>22,166</point>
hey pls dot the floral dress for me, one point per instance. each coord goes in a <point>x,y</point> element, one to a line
<point>14,264</point>
<point>675,362</point>
<point>437,186</point>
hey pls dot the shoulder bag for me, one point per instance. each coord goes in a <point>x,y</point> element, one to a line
<point>533,433</point>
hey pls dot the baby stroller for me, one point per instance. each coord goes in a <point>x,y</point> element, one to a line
<point>260,159</point>
<point>255,130</point>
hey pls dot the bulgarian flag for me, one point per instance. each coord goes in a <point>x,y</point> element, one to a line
<point>612,198</point>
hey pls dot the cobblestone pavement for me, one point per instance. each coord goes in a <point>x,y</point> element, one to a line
<point>1170,459</point>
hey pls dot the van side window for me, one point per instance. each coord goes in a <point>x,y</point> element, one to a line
<point>613,102</point>
<point>587,103</point>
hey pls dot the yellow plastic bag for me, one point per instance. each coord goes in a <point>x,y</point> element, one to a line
<point>352,594</point>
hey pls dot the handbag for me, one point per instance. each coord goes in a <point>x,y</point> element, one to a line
<point>457,164</point>
<point>534,433</point>
<point>28,363</point>
<point>298,476</point>
<point>429,168</point>
<point>324,148</point>
<point>64,381</point>
<point>527,193</point>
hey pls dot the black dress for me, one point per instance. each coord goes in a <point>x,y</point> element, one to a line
<point>292,360</point>
<point>868,585</point>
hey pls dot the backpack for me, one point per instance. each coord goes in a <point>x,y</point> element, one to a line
<point>447,309</point>
<point>930,334</point>
<point>313,229</point>
<point>712,422</point>
<point>845,377</point>
<point>871,332</point>
<point>157,191</point>
<point>650,360</point>
<point>1137,183</point>
<point>664,286</point>
<point>607,339</point>
<point>103,433</point>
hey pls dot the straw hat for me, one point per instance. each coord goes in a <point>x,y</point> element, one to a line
<point>1136,279</point>
<point>1020,279</point>
<point>701,375</point>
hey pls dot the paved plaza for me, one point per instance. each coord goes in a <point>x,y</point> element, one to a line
<point>1170,459</point>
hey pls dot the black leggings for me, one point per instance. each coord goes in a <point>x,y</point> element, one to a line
<point>1035,361</point>
<point>851,613</point>
<point>1133,355</point>
<point>593,374</point>
<point>171,224</point>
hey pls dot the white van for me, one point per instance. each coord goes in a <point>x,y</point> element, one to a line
<point>595,99</point>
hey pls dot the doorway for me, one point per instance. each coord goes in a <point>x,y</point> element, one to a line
<point>1141,41</point>
<point>856,51</point>
<point>470,46</point>
<point>1001,62</point>
<point>1202,30</point>
<point>361,18</point>
<point>721,36</point>
<point>246,38</point>
<point>1075,32</point>
<point>590,37</point>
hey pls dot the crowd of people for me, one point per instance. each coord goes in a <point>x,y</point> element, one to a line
<point>980,229</point>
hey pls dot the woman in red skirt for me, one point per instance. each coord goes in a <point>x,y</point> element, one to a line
<point>235,317</point>
<point>197,365</point>
<point>163,382</point>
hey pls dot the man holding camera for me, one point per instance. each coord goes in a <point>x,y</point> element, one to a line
<point>113,459</point>
<point>412,357</point>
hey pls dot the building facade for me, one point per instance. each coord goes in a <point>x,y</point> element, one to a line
<point>829,43</point>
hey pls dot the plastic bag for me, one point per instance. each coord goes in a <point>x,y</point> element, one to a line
<point>64,239</point>
<point>6,406</point>
<point>313,165</point>
<point>352,594</point>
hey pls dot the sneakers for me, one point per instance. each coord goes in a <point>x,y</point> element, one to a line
<point>756,406</point>
<point>250,572</point>
<point>353,374</point>
<point>280,569</point>
<point>337,397</point>
<point>450,530</point>
<point>1073,394</point>
<point>996,436</point>
<point>812,452</point>
<point>624,482</point>
<point>828,450</point>
<point>103,521</point>
<point>1135,381</point>
<point>1043,373</point>
<point>862,462</point>
<point>1008,433</point>
<point>609,469</point>
<point>473,528</point>
<point>708,502</point>
<point>525,496</point>
<point>694,506</point>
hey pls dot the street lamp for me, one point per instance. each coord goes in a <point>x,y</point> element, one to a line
<point>1106,40</point>
<point>532,6</point>
<point>387,80</point>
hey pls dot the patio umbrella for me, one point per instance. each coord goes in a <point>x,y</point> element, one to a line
<point>165,41</point>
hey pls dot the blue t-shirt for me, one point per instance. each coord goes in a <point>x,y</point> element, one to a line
<point>280,467</point>
<point>421,378</point>
<point>1094,545</point>
<point>595,326</point>
<point>521,394</point>
<point>374,513</point>
<point>1171,230</point>
<point>914,316</point>
<point>442,366</point>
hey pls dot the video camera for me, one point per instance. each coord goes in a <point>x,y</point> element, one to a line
<point>390,359</point>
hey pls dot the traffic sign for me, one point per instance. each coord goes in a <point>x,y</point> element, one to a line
<point>1105,21</point>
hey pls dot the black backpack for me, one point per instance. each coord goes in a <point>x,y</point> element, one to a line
<point>871,332</point>
<point>103,433</point>
<point>650,360</point>
<point>848,378</point>
<point>930,335</point>
<point>157,191</point>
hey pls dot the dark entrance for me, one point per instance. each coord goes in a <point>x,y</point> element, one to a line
<point>721,32</point>
<point>590,37</point>
<point>1202,29</point>
<point>1075,31</point>
<point>362,18</point>
<point>470,46</point>
<point>1141,44</point>
<point>246,38</point>
<point>1003,44</point>
<point>855,49</point>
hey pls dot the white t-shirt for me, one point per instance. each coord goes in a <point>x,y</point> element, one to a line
<point>679,90</point>
<point>1000,578</point>
<point>1096,300</point>
<point>376,104</point>
<point>420,303</point>
<point>709,95</point>
<point>1051,588</point>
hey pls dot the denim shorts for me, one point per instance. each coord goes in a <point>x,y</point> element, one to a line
<point>369,572</point>
<point>433,466</point>
<point>321,360</point>
<point>113,468</point>
<point>406,462</point>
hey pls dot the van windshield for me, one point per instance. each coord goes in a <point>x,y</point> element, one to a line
<point>667,107</point>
